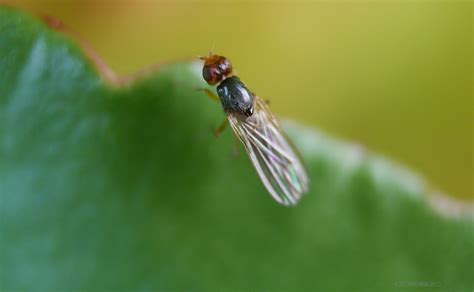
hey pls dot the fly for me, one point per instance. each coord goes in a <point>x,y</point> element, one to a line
<point>272,154</point>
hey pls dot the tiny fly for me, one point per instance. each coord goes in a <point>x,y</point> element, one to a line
<point>272,154</point>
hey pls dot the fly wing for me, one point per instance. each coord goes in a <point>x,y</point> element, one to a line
<point>272,154</point>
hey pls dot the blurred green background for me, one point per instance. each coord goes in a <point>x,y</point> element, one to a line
<point>395,76</point>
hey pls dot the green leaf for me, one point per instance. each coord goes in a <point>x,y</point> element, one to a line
<point>107,187</point>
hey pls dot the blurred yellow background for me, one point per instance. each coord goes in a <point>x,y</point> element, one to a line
<point>395,76</point>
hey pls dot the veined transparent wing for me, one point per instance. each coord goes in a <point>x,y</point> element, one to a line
<point>272,154</point>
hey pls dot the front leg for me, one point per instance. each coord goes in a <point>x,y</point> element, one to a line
<point>218,131</point>
<point>211,94</point>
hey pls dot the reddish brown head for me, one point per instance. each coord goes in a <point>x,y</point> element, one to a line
<point>216,68</point>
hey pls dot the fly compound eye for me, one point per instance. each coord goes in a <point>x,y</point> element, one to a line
<point>210,74</point>
<point>206,74</point>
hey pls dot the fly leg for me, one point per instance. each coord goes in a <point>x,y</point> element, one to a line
<point>221,128</point>
<point>266,101</point>
<point>218,131</point>
<point>210,94</point>
<point>235,140</point>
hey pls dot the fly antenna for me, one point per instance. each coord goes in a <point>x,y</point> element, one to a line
<point>211,51</point>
